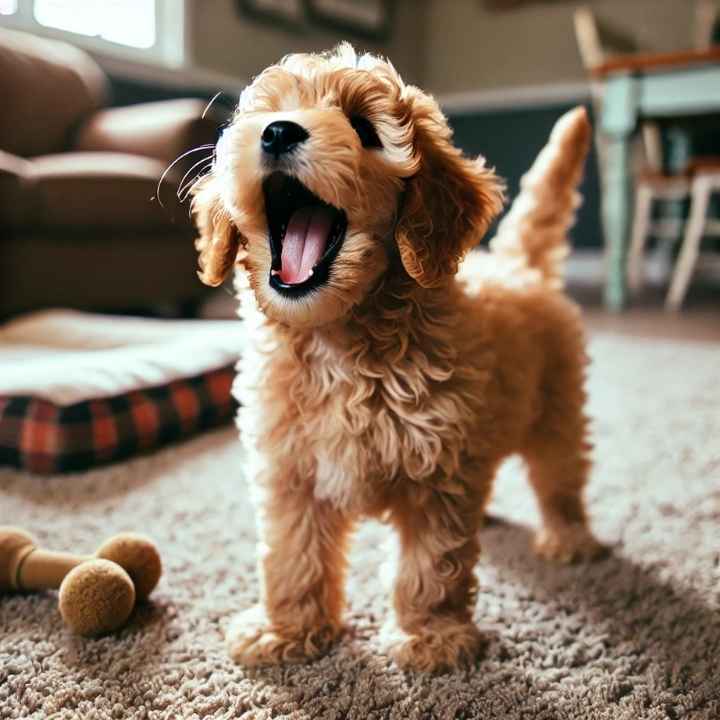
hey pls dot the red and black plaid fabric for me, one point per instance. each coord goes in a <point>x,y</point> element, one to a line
<point>42,437</point>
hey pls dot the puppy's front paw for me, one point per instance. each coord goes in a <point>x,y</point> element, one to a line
<point>568,543</point>
<point>253,641</point>
<point>441,646</point>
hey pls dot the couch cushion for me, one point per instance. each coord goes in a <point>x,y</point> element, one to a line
<point>14,174</point>
<point>101,190</point>
<point>164,130</point>
<point>46,87</point>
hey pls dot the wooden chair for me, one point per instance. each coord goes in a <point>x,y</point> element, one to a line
<point>705,181</point>
<point>653,184</point>
<point>699,182</point>
<point>597,42</point>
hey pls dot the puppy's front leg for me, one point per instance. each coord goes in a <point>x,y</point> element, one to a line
<point>435,587</point>
<point>302,564</point>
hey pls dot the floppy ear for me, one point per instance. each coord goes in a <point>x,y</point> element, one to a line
<point>219,241</point>
<point>448,204</point>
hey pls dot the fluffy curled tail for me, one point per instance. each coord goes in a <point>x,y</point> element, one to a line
<point>534,231</point>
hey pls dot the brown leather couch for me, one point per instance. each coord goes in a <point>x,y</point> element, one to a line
<point>80,221</point>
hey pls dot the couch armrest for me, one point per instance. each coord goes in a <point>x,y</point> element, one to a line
<point>14,174</point>
<point>162,130</point>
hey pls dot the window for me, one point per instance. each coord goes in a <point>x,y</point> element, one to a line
<point>149,30</point>
<point>126,22</point>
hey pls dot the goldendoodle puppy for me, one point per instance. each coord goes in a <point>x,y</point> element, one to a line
<point>376,380</point>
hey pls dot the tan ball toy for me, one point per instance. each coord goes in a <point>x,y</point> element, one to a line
<point>97,592</point>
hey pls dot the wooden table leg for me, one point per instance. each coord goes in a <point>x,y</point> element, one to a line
<point>618,122</point>
<point>616,209</point>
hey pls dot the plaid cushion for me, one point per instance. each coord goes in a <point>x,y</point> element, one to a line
<point>42,437</point>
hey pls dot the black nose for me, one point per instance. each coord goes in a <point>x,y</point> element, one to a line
<point>282,136</point>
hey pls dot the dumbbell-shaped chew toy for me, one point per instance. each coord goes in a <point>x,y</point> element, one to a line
<point>96,597</point>
<point>97,592</point>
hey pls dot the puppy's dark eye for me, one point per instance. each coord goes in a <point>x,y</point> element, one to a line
<point>366,132</point>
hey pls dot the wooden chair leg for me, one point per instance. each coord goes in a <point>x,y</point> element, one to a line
<point>640,232</point>
<point>685,264</point>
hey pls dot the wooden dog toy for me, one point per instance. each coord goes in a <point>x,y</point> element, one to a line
<point>97,592</point>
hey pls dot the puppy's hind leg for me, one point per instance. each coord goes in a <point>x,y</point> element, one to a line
<point>557,455</point>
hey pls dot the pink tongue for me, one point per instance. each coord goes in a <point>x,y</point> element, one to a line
<point>305,241</point>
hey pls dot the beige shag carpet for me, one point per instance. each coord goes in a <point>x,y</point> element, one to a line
<point>632,637</point>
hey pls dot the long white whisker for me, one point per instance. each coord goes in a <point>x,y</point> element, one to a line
<point>172,165</point>
<point>191,184</point>
<point>185,176</point>
<point>209,105</point>
<point>188,191</point>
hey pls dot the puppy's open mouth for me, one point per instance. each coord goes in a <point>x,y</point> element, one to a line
<point>305,235</point>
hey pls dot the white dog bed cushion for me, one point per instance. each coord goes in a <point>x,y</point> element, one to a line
<point>78,389</point>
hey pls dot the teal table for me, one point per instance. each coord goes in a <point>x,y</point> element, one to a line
<point>643,86</point>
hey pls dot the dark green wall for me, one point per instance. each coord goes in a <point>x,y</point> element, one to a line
<point>511,139</point>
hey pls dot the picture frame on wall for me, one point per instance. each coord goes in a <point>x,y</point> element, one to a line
<point>368,19</point>
<point>500,5</point>
<point>288,14</point>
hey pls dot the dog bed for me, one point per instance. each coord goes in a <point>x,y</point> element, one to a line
<point>78,390</point>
